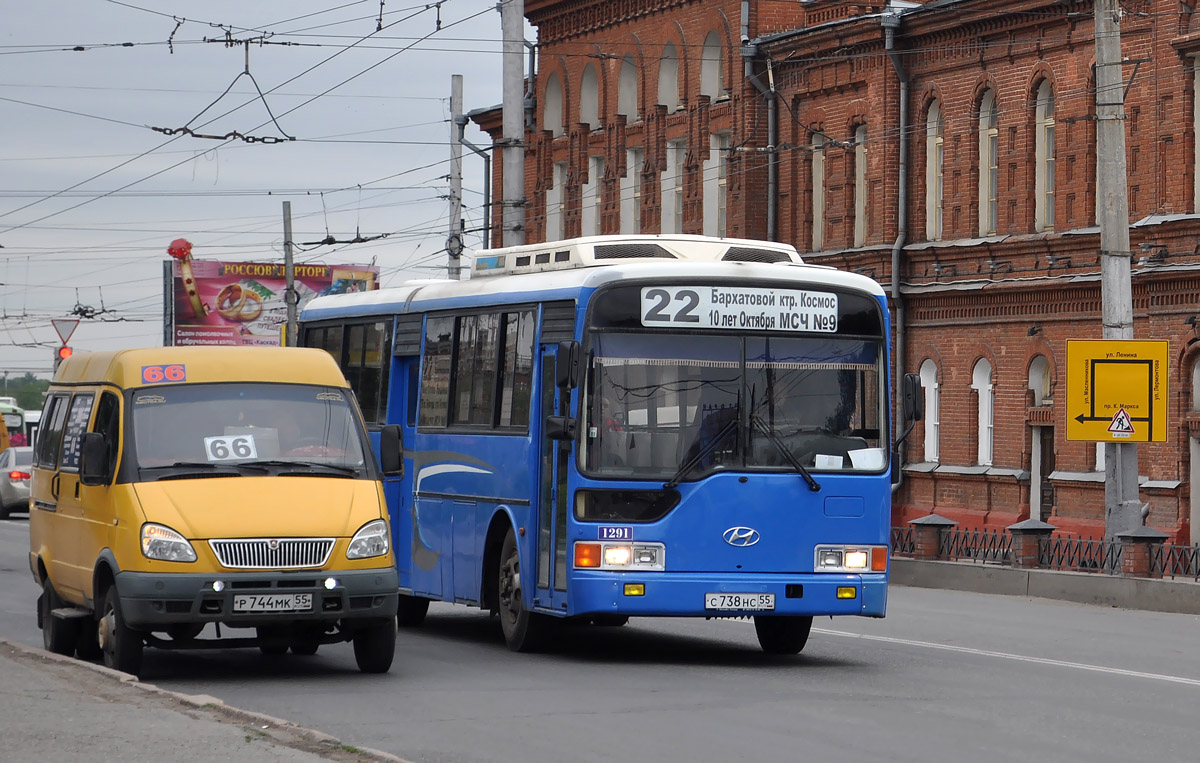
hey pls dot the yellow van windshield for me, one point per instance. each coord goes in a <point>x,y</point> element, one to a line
<point>240,424</point>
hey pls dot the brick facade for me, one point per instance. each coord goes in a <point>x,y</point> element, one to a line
<point>1009,297</point>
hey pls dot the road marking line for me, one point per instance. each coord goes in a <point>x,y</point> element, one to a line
<point>1017,657</point>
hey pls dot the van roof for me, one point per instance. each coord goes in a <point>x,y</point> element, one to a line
<point>124,368</point>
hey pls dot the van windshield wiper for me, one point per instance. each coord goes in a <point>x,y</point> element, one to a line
<point>757,422</point>
<point>708,448</point>
<point>303,467</point>
<point>203,468</point>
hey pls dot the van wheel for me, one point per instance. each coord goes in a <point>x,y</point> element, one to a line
<point>375,647</point>
<point>782,634</point>
<point>59,635</point>
<point>524,631</point>
<point>88,646</point>
<point>305,648</point>
<point>411,611</point>
<point>122,646</point>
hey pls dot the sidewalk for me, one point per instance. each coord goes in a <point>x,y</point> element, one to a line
<point>64,710</point>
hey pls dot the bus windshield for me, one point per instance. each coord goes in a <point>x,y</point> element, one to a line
<point>659,401</point>
<point>197,426</point>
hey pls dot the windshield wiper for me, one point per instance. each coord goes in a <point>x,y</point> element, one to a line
<point>304,466</point>
<point>712,444</point>
<point>758,424</point>
<point>208,468</point>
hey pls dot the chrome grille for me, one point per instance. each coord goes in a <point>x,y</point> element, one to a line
<point>272,553</point>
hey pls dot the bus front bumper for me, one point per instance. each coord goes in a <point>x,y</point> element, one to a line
<point>707,595</point>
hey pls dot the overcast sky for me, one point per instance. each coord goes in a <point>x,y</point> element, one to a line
<point>91,194</point>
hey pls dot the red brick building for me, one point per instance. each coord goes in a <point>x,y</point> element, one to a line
<point>948,150</point>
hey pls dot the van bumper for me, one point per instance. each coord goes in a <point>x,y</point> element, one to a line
<point>151,601</point>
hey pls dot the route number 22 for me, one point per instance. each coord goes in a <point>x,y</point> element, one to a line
<point>655,303</point>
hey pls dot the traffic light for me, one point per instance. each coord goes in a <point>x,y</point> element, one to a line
<point>61,354</point>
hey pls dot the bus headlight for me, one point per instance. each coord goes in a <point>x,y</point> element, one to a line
<point>851,559</point>
<point>371,540</point>
<point>161,542</point>
<point>621,556</point>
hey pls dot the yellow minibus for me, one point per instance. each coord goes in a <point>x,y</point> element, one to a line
<point>176,488</point>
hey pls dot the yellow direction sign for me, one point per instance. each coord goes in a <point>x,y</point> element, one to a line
<point>1116,390</point>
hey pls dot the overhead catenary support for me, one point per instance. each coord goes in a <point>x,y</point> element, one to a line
<point>289,277</point>
<point>512,202</point>
<point>454,237</point>
<point>1122,507</point>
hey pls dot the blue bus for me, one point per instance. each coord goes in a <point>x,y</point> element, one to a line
<point>617,426</point>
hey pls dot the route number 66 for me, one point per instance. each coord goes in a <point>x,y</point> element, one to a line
<point>174,372</point>
<point>230,447</point>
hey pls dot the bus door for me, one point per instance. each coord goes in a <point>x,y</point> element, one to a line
<point>553,498</point>
<point>404,383</point>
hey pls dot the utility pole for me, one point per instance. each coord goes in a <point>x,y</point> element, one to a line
<point>289,276</point>
<point>454,239</point>
<point>512,21</point>
<point>1122,507</point>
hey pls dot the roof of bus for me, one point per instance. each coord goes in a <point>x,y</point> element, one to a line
<point>427,294</point>
<point>126,368</point>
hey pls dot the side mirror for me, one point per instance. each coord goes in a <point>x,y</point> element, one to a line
<point>560,427</point>
<point>566,366</point>
<point>391,451</point>
<point>93,459</point>
<point>912,398</point>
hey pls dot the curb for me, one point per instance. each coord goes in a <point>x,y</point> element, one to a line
<point>261,722</point>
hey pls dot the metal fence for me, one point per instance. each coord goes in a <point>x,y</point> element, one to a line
<point>1079,555</point>
<point>904,542</point>
<point>982,546</point>
<point>1174,561</point>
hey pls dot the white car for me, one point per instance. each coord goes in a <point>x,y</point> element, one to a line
<point>15,466</point>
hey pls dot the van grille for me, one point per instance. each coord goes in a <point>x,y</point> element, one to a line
<point>272,553</point>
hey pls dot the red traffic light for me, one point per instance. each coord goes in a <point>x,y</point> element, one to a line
<point>64,352</point>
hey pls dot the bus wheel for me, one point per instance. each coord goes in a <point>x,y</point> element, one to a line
<point>782,634</point>
<point>411,610</point>
<point>122,646</point>
<point>375,647</point>
<point>524,631</point>
<point>59,635</point>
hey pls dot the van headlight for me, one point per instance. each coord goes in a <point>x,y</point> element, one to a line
<point>370,540</point>
<point>161,542</point>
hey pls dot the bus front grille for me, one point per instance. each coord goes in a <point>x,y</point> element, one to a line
<point>272,553</point>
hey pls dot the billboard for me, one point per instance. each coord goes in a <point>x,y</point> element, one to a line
<point>242,303</point>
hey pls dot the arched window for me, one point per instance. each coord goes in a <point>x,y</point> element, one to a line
<point>818,191</point>
<point>627,90</point>
<point>552,119</point>
<point>932,416</point>
<point>860,185</point>
<point>589,98</point>
<point>1043,146</point>
<point>668,78</point>
<point>1039,381</point>
<point>934,191</point>
<point>710,67</point>
<point>989,163</point>
<point>981,382</point>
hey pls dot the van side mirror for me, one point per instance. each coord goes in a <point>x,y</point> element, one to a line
<point>391,451</point>
<point>93,459</point>
<point>912,398</point>
<point>566,365</point>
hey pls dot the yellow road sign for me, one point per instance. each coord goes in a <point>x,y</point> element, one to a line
<point>1116,390</point>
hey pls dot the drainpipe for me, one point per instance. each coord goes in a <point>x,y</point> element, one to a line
<point>749,52</point>
<point>531,89</point>
<point>891,22</point>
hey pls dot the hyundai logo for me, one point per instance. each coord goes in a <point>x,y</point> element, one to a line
<point>741,536</point>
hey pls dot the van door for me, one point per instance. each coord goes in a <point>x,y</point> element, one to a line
<point>81,550</point>
<point>49,537</point>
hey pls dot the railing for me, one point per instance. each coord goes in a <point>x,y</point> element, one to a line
<point>1079,555</point>
<point>994,546</point>
<point>1169,560</point>
<point>904,543</point>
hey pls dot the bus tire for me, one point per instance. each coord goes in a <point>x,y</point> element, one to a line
<point>524,631</point>
<point>59,635</point>
<point>375,647</point>
<point>782,634</point>
<point>122,646</point>
<point>411,611</point>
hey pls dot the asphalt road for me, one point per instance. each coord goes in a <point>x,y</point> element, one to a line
<point>946,675</point>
